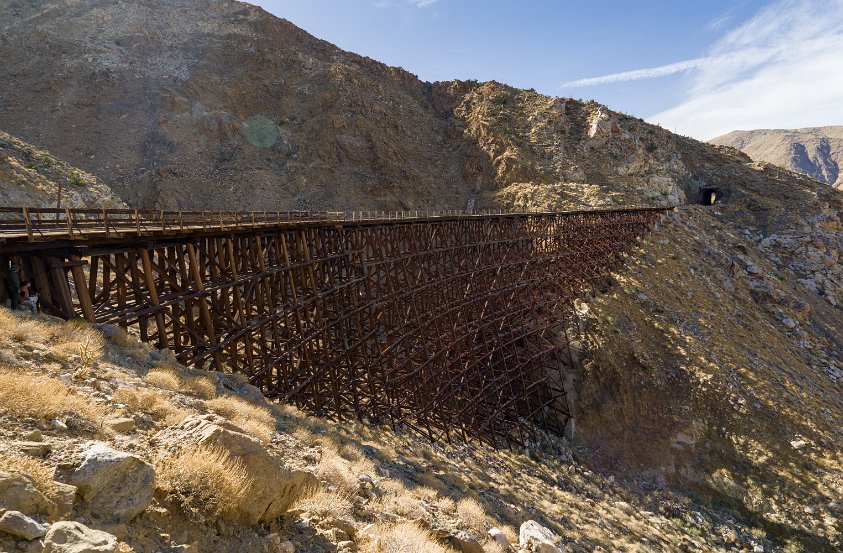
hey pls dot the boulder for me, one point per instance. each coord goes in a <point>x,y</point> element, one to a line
<point>35,449</point>
<point>497,536</point>
<point>65,497</point>
<point>535,538</point>
<point>114,485</point>
<point>19,525</point>
<point>465,542</point>
<point>18,493</point>
<point>274,487</point>
<point>74,537</point>
<point>121,425</point>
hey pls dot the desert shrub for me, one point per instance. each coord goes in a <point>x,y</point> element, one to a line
<point>77,337</point>
<point>404,537</point>
<point>31,395</point>
<point>168,378</point>
<point>152,403</point>
<point>206,480</point>
<point>254,419</point>
<point>39,471</point>
<point>472,515</point>
<point>395,498</point>
<point>327,504</point>
<point>76,179</point>
<point>23,328</point>
<point>340,471</point>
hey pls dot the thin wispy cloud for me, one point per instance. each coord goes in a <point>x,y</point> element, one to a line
<point>416,3</point>
<point>637,74</point>
<point>779,69</point>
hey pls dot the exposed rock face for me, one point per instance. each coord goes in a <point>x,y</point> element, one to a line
<point>535,538</point>
<point>175,98</point>
<point>18,493</point>
<point>20,525</point>
<point>273,489</point>
<point>816,152</point>
<point>32,177</point>
<point>215,103</point>
<point>75,537</point>
<point>113,484</point>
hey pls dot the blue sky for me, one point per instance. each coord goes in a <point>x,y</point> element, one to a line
<point>701,68</point>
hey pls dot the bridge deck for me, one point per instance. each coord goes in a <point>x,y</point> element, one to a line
<point>453,323</point>
<point>52,225</point>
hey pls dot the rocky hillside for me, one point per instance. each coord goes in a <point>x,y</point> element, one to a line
<point>712,365</point>
<point>215,104</point>
<point>108,446</point>
<point>32,177</point>
<point>816,152</point>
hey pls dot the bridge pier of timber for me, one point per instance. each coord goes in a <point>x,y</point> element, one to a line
<point>455,324</point>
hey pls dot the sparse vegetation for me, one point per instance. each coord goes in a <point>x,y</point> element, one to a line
<point>40,472</point>
<point>404,537</point>
<point>150,402</point>
<point>32,395</point>
<point>206,480</point>
<point>254,419</point>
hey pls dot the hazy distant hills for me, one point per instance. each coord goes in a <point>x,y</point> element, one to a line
<point>816,152</point>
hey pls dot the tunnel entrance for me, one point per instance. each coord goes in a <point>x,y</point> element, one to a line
<point>709,196</point>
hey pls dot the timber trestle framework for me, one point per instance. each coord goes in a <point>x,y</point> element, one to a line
<point>454,324</point>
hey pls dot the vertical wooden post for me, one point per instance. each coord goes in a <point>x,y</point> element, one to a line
<point>82,291</point>
<point>153,296</point>
<point>204,311</point>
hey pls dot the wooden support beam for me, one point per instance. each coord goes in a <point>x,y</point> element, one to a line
<point>153,296</point>
<point>81,286</point>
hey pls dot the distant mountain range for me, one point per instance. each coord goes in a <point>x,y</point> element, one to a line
<point>816,152</point>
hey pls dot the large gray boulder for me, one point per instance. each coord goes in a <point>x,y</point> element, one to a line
<point>74,537</point>
<point>114,485</point>
<point>535,538</point>
<point>18,493</point>
<point>19,525</point>
<point>274,487</point>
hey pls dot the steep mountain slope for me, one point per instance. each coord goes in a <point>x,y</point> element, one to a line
<point>32,177</point>
<point>714,365</point>
<point>217,104</point>
<point>816,152</point>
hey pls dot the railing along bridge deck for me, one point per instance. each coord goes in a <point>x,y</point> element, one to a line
<point>453,323</point>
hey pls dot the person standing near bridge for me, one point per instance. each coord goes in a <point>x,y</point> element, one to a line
<point>28,299</point>
<point>13,285</point>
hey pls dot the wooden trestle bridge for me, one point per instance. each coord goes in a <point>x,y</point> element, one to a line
<point>456,324</point>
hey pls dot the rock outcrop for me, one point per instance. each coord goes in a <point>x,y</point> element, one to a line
<point>75,537</point>
<point>114,485</point>
<point>815,152</point>
<point>273,488</point>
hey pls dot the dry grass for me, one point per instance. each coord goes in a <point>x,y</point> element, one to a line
<point>404,537</point>
<point>169,378</point>
<point>39,471</point>
<point>23,328</point>
<point>29,395</point>
<point>253,419</point>
<point>397,499</point>
<point>327,505</point>
<point>445,504</point>
<point>200,386</point>
<point>472,515</point>
<point>120,338</point>
<point>166,379</point>
<point>152,403</point>
<point>76,337</point>
<point>342,472</point>
<point>206,480</point>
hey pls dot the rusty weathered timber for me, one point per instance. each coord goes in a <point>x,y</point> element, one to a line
<point>454,324</point>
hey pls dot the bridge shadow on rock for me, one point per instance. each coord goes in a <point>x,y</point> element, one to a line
<point>455,325</point>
